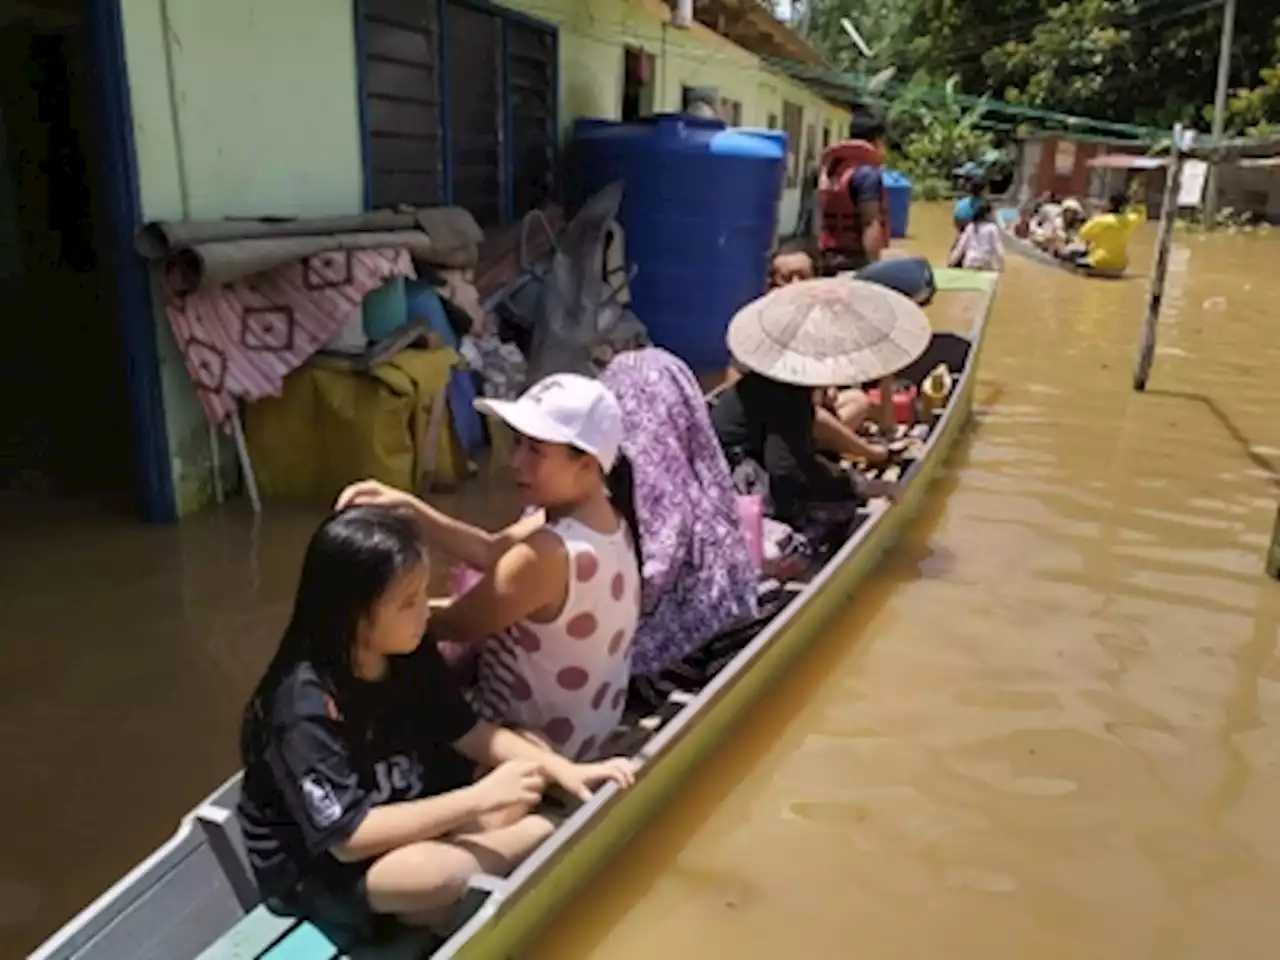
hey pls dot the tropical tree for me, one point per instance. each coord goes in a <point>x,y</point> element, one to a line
<point>935,132</point>
<point>1150,62</point>
<point>1078,60</point>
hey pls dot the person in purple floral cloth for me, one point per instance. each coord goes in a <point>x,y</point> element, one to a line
<point>698,578</point>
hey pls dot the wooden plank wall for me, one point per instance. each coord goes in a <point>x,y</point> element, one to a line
<point>401,84</point>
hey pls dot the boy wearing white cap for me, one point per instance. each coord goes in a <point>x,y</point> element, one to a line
<point>559,599</point>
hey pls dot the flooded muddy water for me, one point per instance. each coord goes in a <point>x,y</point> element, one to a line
<point>1049,728</point>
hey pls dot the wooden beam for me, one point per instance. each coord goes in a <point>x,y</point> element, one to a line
<point>1234,148</point>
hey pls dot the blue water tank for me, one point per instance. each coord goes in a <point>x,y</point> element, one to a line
<point>700,211</point>
<point>898,187</point>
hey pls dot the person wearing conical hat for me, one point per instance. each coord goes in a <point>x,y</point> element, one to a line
<point>838,413</point>
<point>792,341</point>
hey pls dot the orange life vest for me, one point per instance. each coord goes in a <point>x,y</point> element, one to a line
<point>840,230</point>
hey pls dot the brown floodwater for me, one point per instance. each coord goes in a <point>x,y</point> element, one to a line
<point>1050,727</point>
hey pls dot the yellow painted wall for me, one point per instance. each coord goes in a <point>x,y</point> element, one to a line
<point>250,108</point>
<point>594,33</point>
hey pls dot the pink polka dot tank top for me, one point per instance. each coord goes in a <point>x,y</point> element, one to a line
<point>567,679</point>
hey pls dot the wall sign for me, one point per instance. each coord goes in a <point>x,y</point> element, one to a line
<point>1064,158</point>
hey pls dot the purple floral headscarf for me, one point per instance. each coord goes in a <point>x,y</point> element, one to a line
<point>699,577</point>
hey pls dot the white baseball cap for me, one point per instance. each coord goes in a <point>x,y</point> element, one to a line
<point>565,408</point>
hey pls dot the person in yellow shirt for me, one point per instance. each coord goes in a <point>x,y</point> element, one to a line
<point>1106,236</point>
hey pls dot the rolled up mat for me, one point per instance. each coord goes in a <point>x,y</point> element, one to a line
<point>910,276</point>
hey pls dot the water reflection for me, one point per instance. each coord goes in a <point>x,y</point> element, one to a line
<point>1050,728</point>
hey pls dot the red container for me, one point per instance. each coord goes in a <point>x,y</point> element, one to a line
<point>904,402</point>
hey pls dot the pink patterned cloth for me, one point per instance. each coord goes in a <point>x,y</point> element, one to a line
<point>239,341</point>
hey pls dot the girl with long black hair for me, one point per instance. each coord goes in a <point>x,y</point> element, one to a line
<point>359,750</point>
<point>557,606</point>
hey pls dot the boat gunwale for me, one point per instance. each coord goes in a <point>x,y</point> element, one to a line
<point>592,814</point>
<point>94,918</point>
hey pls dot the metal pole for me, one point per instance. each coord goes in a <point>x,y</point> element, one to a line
<point>1164,240</point>
<point>1220,108</point>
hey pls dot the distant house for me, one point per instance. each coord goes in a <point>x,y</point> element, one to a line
<point>1064,163</point>
<point>1071,165</point>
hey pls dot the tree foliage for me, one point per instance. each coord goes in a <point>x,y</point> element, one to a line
<point>935,134</point>
<point>1150,62</point>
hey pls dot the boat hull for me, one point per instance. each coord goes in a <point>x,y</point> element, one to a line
<point>193,893</point>
<point>537,891</point>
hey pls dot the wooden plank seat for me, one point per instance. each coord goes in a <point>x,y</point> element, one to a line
<point>263,935</point>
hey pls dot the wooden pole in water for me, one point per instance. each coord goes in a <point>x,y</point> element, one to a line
<point>1168,214</point>
<point>1273,555</point>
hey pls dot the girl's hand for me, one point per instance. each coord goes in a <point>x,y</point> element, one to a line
<point>882,488</point>
<point>579,778</point>
<point>514,783</point>
<point>374,493</point>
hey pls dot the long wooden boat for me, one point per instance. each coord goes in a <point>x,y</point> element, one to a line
<point>195,897</point>
<point>1028,250</point>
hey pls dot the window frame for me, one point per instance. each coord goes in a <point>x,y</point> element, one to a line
<point>360,16</point>
<point>506,159</point>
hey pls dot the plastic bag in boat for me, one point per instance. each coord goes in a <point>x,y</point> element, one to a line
<point>576,310</point>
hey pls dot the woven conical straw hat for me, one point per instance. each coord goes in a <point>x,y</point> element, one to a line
<point>826,333</point>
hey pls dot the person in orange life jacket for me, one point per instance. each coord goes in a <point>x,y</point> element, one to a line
<point>852,203</point>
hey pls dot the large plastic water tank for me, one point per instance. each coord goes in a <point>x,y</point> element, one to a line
<point>898,187</point>
<point>700,211</point>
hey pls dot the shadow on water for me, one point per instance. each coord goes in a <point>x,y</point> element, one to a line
<point>1263,463</point>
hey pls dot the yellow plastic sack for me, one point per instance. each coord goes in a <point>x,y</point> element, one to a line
<point>332,426</point>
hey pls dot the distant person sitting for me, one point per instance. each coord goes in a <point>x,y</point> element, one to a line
<point>979,246</point>
<point>853,205</point>
<point>795,343</point>
<point>1106,237</point>
<point>1072,219</point>
<point>1045,225</point>
<point>975,191</point>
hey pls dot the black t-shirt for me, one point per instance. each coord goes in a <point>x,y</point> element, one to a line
<point>772,424</point>
<point>326,764</point>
